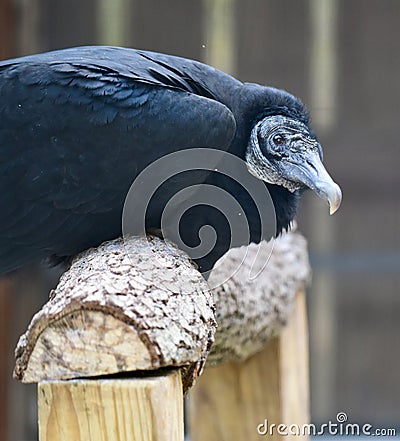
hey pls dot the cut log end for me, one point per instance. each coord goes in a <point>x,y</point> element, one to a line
<point>126,306</point>
<point>82,343</point>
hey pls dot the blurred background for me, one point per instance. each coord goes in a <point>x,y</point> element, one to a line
<point>342,58</point>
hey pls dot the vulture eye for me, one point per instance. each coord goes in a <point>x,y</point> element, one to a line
<point>278,140</point>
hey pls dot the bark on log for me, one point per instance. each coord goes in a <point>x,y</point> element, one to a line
<point>126,306</point>
<point>251,310</point>
<point>140,304</point>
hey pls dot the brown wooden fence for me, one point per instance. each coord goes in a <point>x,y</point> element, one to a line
<point>352,328</point>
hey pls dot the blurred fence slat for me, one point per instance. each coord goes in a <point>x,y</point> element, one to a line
<point>67,23</point>
<point>6,28</point>
<point>171,27</point>
<point>6,51</point>
<point>5,368</point>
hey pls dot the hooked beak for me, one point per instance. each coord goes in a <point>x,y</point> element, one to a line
<point>312,173</point>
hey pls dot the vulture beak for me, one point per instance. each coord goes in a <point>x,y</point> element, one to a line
<point>312,173</point>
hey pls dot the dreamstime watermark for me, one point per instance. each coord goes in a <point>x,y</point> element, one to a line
<point>340,427</point>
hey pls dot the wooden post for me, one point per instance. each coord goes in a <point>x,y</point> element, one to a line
<point>131,409</point>
<point>232,402</point>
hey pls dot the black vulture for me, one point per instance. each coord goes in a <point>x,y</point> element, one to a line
<point>77,126</point>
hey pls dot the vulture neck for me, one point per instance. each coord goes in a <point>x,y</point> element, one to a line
<point>286,204</point>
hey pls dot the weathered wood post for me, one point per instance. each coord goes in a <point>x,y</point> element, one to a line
<point>258,374</point>
<point>241,400</point>
<point>128,409</point>
<point>138,310</point>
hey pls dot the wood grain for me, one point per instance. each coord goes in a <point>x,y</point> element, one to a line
<point>135,409</point>
<point>230,401</point>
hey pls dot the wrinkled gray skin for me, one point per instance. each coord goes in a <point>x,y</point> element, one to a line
<point>283,151</point>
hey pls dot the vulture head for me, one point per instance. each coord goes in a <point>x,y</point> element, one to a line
<point>283,151</point>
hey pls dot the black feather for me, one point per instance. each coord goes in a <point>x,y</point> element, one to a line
<point>78,125</point>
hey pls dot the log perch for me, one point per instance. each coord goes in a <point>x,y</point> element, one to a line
<point>139,309</point>
<point>140,304</point>
<point>132,305</point>
<point>255,303</point>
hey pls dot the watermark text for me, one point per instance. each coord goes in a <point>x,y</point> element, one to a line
<point>340,427</point>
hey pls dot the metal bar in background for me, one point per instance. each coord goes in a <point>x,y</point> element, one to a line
<point>372,262</point>
<point>323,317</point>
<point>27,27</point>
<point>323,62</point>
<point>113,22</point>
<point>219,34</point>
